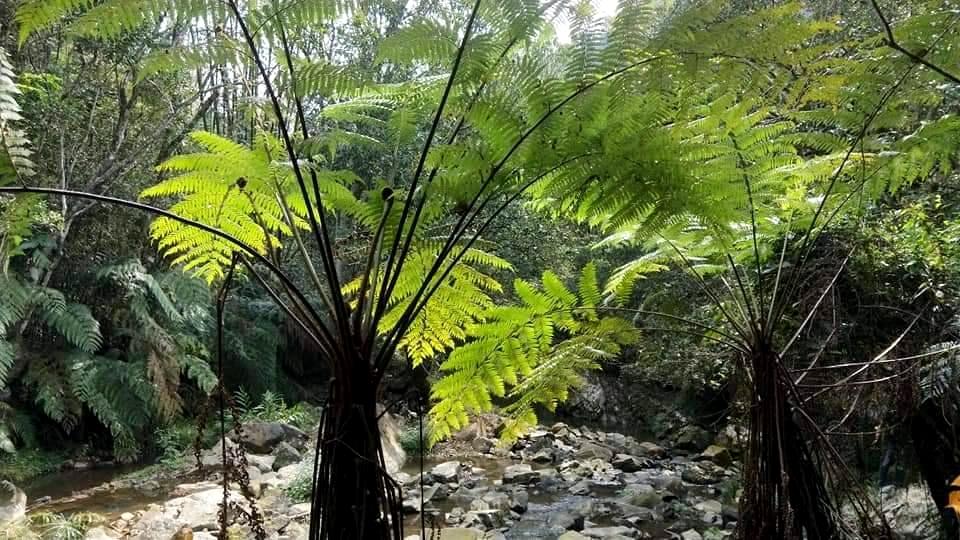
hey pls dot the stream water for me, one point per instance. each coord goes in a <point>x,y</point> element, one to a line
<point>95,490</point>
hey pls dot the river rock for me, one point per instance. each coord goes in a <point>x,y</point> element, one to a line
<point>101,533</point>
<point>702,474</point>
<point>580,488</point>
<point>610,532</point>
<point>198,510</point>
<point>628,463</point>
<point>690,534</point>
<point>483,445</point>
<point>692,438</point>
<point>411,505</point>
<point>285,454</point>
<point>520,474</point>
<point>668,481</point>
<point>519,501</point>
<point>716,454</point>
<point>263,463</point>
<point>13,505</point>
<point>642,495</point>
<point>572,535</point>
<point>652,450</point>
<point>212,458</point>
<point>486,519</point>
<point>495,500</point>
<point>463,495</point>
<point>262,437</point>
<point>542,456</point>
<point>447,472</point>
<point>590,450</point>
<point>711,506</point>
<point>565,520</point>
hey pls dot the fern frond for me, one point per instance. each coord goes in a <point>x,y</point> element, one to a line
<point>74,321</point>
<point>15,153</point>
<point>514,354</point>
<point>8,354</point>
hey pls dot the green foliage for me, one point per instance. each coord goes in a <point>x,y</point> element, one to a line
<point>267,206</point>
<point>50,526</point>
<point>26,464</point>
<point>754,130</point>
<point>175,442</point>
<point>15,164</point>
<point>271,407</point>
<point>411,442</point>
<point>166,319</point>
<point>248,193</point>
<point>300,489</point>
<point>531,353</point>
<point>72,321</point>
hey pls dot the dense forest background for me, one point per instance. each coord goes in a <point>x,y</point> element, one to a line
<point>697,209</point>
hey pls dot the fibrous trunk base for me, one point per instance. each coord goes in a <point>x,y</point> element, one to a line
<point>785,496</point>
<point>353,496</point>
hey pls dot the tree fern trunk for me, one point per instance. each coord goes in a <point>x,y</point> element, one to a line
<point>784,492</point>
<point>935,440</point>
<point>353,496</point>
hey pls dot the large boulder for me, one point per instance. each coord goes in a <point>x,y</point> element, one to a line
<point>13,502</point>
<point>628,463</point>
<point>446,472</point>
<point>703,474</point>
<point>285,454</point>
<point>717,454</point>
<point>588,401</point>
<point>393,454</point>
<point>692,438</point>
<point>262,437</point>
<point>589,450</point>
<point>520,474</point>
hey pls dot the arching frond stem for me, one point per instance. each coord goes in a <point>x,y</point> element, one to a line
<point>394,264</point>
<point>314,211</point>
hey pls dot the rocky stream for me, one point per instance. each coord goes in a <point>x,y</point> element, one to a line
<point>558,481</point>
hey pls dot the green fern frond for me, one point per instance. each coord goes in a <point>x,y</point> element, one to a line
<point>35,15</point>
<point>198,370</point>
<point>8,354</point>
<point>75,322</point>
<point>15,153</point>
<point>513,354</point>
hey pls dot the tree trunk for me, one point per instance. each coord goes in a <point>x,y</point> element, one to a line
<point>935,440</point>
<point>784,492</point>
<point>354,498</point>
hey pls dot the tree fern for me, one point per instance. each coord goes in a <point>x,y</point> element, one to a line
<point>516,354</point>
<point>166,332</point>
